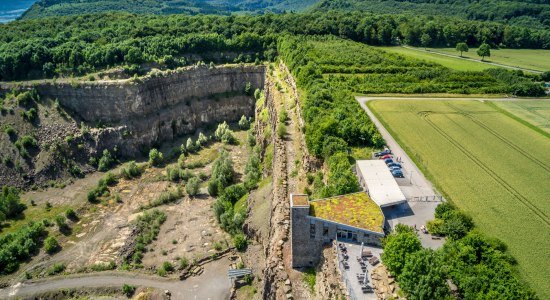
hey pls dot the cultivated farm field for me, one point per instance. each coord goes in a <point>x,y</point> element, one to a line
<point>490,165</point>
<point>534,112</point>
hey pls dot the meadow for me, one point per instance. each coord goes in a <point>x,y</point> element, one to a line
<point>533,59</point>
<point>491,166</point>
<point>534,112</point>
<point>454,63</point>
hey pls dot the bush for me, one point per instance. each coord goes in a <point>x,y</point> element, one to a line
<point>184,262</point>
<point>131,170</point>
<point>155,157</point>
<point>128,290</point>
<point>281,130</point>
<point>192,186</point>
<point>244,123</point>
<point>106,161</point>
<point>56,269</point>
<point>10,131</point>
<point>110,178</point>
<point>224,134</point>
<point>10,203</point>
<point>28,141</point>
<point>240,242</point>
<point>70,214</point>
<point>19,246</point>
<point>222,170</point>
<point>51,245</point>
<point>283,116</point>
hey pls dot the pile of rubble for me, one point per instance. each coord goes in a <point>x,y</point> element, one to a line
<point>384,283</point>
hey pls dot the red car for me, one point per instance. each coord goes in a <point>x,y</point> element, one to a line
<point>386,156</point>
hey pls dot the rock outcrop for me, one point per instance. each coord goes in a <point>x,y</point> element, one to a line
<point>139,113</point>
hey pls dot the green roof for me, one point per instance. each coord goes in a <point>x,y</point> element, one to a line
<point>356,210</point>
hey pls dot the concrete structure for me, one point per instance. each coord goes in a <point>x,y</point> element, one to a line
<point>314,224</point>
<point>376,179</point>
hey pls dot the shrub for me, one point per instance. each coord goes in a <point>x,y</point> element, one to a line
<point>106,161</point>
<point>240,242</point>
<point>61,223</point>
<point>217,246</point>
<point>202,140</point>
<point>10,202</point>
<point>224,134</point>
<point>283,116</point>
<point>51,245</point>
<point>131,170</point>
<point>56,269</point>
<point>244,123</point>
<point>155,157</point>
<point>184,262</point>
<point>28,141</point>
<point>10,131</point>
<point>70,214</point>
<point>281,130</point>
<point>19,246</point>
<point>251,139</point>
<point>110,178</point>
<point>192,186</point>
<point>222,170</point>
<point>128,290</point>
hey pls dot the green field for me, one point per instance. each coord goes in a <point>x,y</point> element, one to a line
<point>523,58</point>
<point>535,112</point>
<point>490,165</point>
<point>449,62</point>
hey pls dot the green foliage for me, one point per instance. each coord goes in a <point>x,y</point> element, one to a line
<point>184,262</point>
<point>424,277</point>
<point>110,179</point>
<point>165,198</point>
<point>165,268</point>
<point>29,115</point>
<point>222,173</point>
<point>98,267</point>
<point>281,130</point>
<point>106,161</point>
<point>51,245</point>
<point>130,170</point>
<point>71,214</point>
<point>147,227</point>
<point>192,186</point>
<point>19,246</point>
<point>128,290</point>
<point>100,190</point>
<point>55,269</point>
<point>310,277</point>
<point>462,47</point>
<point>398,248</point>
<point>244,123</point>
<point>240,242</point>
<point>484,51</point>
<point>253,170</point>
<point>450,222</point>
<point>10,203</point>
<point>224,134</point>
<point>156,158</point>
<point>8,129</point>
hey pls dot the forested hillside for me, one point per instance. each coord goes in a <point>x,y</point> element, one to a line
<point>76,45</point>
<point>531,13</point>
<point>45,8</point>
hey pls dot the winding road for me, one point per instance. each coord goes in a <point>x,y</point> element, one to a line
<point>211,284</point>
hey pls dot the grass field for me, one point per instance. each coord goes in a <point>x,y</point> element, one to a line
<point>524,58</point>
<point>449,62</point>
<point>490,165</point>
<point>532,111</point>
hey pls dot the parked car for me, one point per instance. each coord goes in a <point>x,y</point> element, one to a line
<point>385,156</point>
<point>388,161</point>
<point>397,173</point>
<point>382,153</point>
<point>394,168</point>
<point>394,164</point>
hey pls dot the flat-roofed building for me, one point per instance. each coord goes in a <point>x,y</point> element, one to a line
<point>352,217</point>
<point>376,179</point>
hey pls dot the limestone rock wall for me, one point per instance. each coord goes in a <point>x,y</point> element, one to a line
<point>142,112</point>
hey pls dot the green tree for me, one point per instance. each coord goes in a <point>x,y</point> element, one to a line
<point>423,276</point>
<point>106,161</point>
<point>425,40</point>
<point>222,170</point>
<point>10,202</point>
<point>397,248</point>
<point>484,51</point>
<point>462,47</point>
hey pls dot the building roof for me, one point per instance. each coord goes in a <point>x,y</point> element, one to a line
<point>381,185</point>
<point>299,200</point>
<point>356,210</point>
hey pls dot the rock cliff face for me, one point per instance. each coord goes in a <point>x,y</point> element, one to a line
<point>147,111</point>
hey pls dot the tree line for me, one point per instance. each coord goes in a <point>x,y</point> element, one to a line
<point>75,45</point>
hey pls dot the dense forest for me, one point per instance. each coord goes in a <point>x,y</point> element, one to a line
<point>48,8</point>
<point>79,44</point>
<point>529,13</point>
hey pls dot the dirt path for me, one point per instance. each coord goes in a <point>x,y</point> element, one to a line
<point>212,284</point>
<point>475,60</point>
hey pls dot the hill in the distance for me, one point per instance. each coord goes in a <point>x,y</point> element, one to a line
<point>528,13</point>
<point>45,8</point>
